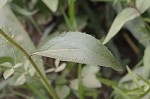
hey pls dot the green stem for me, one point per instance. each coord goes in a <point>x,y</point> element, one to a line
<point>35,25</point>
<point>72,14</point>
<point>48,87</point>
<point>80,86</point>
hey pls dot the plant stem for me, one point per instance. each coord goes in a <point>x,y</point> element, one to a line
<point>131,43</point>
<point>72,14</point>
<point>35,25</point>
<point>80,86</point>
<point>48,87</point>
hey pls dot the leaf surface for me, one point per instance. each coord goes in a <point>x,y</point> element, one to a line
<point>92,70</point>
<point>78,47</point>
<point>146,61</point>
<point>3,2</point>
<point>61,67</point>
<point>126,15</point>
<point>20,80</point>
<point>7,59</point>
<point>142,5</point>
<point>62,91</point>
<point>51,4</point>
<point>90,81</point>
<point>8,21</point>
<point>8,73</point>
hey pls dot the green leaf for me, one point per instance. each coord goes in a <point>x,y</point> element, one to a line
<point>26,65</point>
<point>147,20</point>
<point>134,78</point>
<point>90,81</point>
<point>61,67</point>
<point>3,2</point>
<point>89,77</point>
<point>90,70</point>
<point>50,70</point>
<point>145,80</point>
<point>51,4</point>
<point>17,65</point>
<point>60,80</point>
<point>115,86</point>
<point>135,27</point>
<point>7,59</point>
<point>29,68</point>
<point>128,78</point>
<point>108,82</point>
<point>7,64</point>
<point>78,47</point>
<point>22,11</point>
<point>142,5</point>
<point>74,84</point>
<point>9,20</point>
<point>62,91</point>
<point>20,80</point>
<point>8,73</point>
<point>126,15</point>
<point>146,62</point>
<point>123,94</point>
<point>57,62</point>
<point>31,71</point>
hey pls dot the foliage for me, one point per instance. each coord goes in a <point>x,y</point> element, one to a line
<point>3,2</point>
<point>58,46</point>
<point>78,47</point>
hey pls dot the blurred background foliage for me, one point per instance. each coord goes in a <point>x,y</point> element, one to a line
<point>32,22</point>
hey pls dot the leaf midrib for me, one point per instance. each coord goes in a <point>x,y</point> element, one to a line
<point>81,50</point>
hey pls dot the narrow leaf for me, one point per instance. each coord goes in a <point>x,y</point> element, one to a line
<point>79,47</point>
<point>61,67</point>
<point>50,70</point>
<point>7,59</point>
<point>22,11</point>
<point>145,80</point>
<point>21,79</point>
<point>9,20</point>
<point>3,2</point>
<point>128,78</point>
<point>51,4</point>
<point>123,94</point>
<point>31,71</point>
<point>7,64</point>
<point>26,65</point>
<point>123,17</point>
<point>142,5</point>
<point>146,61</point>
<point>133,77</point>
<point>18,65</point>
<point>108,82</point>
<point>8,73</point>
<point>57,61</point>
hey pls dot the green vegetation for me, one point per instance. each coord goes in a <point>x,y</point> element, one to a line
<point>75,49</point>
